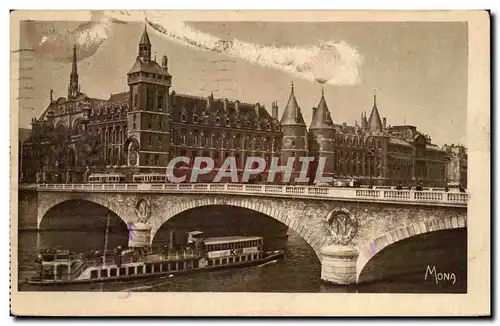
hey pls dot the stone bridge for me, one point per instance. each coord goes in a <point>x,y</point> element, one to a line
<point>345,227</point>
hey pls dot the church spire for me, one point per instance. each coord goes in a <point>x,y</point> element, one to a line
<point>73,77</point>
<point>374,122</point>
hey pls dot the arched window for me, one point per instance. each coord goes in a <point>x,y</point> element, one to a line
<point>237,141</point>
<point>183,136</point>
<point>196,138</point>
<point>257,143</point>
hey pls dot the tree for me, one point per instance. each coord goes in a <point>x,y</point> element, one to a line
<point>89,150</point>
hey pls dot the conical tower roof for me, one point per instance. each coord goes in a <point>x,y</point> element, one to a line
<point>145,37</point>
<point>292,114</point>
<point>321,116</point>
<point>374,122</point>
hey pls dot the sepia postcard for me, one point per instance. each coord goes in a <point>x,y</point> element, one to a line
<point>250,163</point>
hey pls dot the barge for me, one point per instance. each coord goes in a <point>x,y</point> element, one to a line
<point>201,254</point>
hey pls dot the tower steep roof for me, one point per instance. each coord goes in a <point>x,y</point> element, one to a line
<point>145,37</point>
<point>292,114</point>
<point>374,122</point>
<point>321,116</point>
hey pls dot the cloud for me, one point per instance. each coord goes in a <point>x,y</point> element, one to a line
<point>335,63</point>
<point>56,43</point>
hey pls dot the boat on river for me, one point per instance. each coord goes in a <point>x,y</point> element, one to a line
<point>139,261</point>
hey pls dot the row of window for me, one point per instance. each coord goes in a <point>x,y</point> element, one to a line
<point>225,140</point>
<point>231,260</point>
<point>152,122</point>
<point>108,113</point>
<point>234,245</point>
<point>143,269</point>
<point>154,99</point>
<point>148,75</point>
<point>400,150</point>
<point>110,135</point>
<point>246,123</point>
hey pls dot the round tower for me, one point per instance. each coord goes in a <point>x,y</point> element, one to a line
<point>294,139</point>
<point>321,140</point>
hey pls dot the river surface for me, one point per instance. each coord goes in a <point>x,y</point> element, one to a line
<point>298,271</point>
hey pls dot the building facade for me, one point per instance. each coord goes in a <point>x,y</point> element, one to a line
<point>139,131</point>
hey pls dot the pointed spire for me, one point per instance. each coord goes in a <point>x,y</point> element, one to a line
<point>145,47</point>
<point>321,116</point>
<point>145,37</point>
<point>292,114</point>
<point>74,68</point>
<point>73,88</point>
<point>374,122</point>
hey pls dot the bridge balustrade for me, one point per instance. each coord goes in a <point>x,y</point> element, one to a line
<point>273,189</point>
<point>431,196</point>
<point>317,191</point>
<point>235,187</point>
<point>397,194</point>
<point>428,195</point>
<point>368,193</point>
<point>253,188</point>
<point>457,197</point>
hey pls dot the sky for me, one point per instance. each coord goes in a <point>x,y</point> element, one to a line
<point>419,70</point>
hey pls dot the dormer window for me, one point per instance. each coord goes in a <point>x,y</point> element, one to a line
<point>227,122</point>
<point>195,118</point>
<point>183,117</point>
<point>238,122</point>
<point>217,121</point>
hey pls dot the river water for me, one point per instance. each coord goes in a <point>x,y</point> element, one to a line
<point>298,271</point>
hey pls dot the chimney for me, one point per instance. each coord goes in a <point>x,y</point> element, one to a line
<point>274,111</point>
<point>209,101</point>
<point>237,106</point>
<point>384,121</point>
<point>257,110</point>
<point>164,63</point>
<point>172,98</point>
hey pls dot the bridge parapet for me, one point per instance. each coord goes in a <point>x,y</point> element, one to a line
<point>338,223</point>
<point>437,198</point>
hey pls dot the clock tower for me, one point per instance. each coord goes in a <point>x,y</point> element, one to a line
<point>149,116</point>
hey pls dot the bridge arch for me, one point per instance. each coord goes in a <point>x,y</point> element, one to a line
<point>52,201</point>
<point>311,236</point>
<point>370,250</point>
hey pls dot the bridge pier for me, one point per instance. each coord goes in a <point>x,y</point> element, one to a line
<point>338,264</point>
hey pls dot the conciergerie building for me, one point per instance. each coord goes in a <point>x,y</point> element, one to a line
<point>139,131</point>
